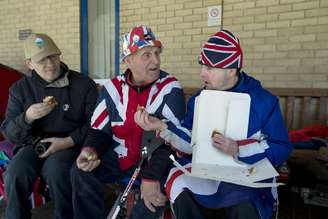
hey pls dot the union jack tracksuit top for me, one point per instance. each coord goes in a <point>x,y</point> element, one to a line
<point>267,137</point>
<point>112,123</point>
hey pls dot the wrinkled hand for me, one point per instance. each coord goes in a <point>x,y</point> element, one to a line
<point>147,122</point>
<point>57,144</point>
<point>87,160</point>
<point>152,195</point>
<point>224,144</point>
<point>37,111</point>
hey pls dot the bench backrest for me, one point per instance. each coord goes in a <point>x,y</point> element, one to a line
<point>300,106</point>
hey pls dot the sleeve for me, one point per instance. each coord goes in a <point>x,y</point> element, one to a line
<point>14,127</point>
<point>79,134</point>
<point>159,164</point>
<point>173,112</point>
<point>179,136</point>
<point>271,142</point>
<point>100,133</point>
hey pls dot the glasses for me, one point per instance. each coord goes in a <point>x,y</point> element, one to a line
<point>51,58</point>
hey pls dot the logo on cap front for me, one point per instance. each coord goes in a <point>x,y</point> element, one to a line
<point>39,42</point>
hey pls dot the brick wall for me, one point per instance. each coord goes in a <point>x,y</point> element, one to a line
<point>58,18</point>
<point>284,41</point>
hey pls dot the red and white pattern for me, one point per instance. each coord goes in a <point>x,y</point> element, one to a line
<point>117,103</point>
<point>177,181</point>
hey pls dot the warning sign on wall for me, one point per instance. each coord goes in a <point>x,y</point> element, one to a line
<point>214,15</point>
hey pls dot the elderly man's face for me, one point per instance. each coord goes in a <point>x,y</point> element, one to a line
<point>47,68</point>
<point>144,65</point>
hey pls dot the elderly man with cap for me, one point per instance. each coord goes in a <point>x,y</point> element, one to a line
<point>221,59</point>
<point>112,149</point>
<point>56,128</point>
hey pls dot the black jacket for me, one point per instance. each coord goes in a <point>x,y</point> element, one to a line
<point>76,96</point>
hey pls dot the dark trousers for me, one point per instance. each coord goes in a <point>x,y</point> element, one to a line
<point>88,189</point>
<point>21,173</point>
<point>185,207</point>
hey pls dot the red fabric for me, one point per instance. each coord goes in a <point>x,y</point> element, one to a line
<point>129,131</point>
<point>7,77</point>
<point>36,198</point>
<point>305,134</point>
<point>2,185</point>
<point>246,142</point>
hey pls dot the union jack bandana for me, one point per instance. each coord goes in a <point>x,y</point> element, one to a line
<point>137,38</point>
<point>222,50</point>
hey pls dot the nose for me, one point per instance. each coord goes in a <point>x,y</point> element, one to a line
<point>156,59</point>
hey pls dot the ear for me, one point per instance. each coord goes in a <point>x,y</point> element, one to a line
<point>232,72</point>
<point>127,61</point>
<point>29,64</point>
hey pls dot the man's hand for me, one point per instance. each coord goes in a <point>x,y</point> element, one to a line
<point>37,111</point>
<point>57,144</point>
<point>226,145</point>
<point>87,160</point>
<point>147,122</point>
<point>152,195</point>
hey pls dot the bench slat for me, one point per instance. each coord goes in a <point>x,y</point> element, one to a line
<point>289,112</point>
<point>323,108</point>
<point>306,110</point>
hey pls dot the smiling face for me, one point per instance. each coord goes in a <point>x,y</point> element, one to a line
<point>218,78</point>
<point>47,68</point>
<point>144,65</point>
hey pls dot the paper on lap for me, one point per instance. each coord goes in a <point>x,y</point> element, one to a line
<point>227,112</point>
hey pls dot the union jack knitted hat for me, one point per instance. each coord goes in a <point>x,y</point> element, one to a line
<point>222,50</point>
<point>137,38</point>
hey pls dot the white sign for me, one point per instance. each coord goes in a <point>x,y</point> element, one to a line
<point>214,15</point>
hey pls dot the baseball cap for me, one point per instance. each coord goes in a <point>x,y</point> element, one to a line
<point>38,46</point>
<point>137,38</point>
<point>222,50</point>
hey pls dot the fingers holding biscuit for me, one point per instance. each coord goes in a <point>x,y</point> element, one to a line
<point>140,108</point>
<point>215,132</point>
<point>50,100</point>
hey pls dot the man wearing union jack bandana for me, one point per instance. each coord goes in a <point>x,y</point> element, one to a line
<point>221,59</point>
<point>112,149</point>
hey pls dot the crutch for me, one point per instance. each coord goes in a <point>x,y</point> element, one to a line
<point>150,142</point>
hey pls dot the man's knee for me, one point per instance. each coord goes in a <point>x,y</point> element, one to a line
<point>75,172</point>
<point>17,172</point>
<point>79,177</point>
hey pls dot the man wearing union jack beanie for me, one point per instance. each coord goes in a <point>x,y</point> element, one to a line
<point>222,59</point>
<point>112,148</point>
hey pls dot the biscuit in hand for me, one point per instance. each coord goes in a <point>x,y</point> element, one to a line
<point>140,108</point>
<point>92,157</point>
<point>215,132</point>
<point>51,100</point>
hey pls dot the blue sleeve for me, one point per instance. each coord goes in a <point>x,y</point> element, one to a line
<point>179,136</point>
<point>273,143</point>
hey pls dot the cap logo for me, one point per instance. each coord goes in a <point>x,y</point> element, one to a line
<point>39,42</point>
